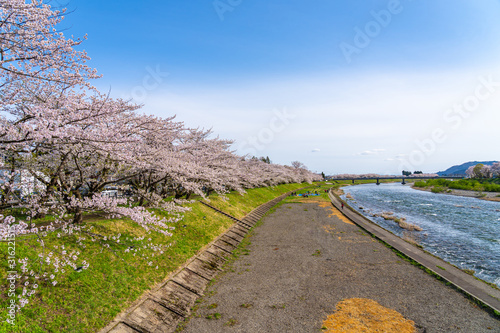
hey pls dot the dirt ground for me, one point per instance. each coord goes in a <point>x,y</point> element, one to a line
<point>304,260</point>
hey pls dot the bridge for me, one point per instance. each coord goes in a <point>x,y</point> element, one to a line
<point>403,179</point>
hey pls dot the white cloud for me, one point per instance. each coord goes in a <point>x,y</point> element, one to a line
<point>390,110</point>
<point>367,152</point>
<point>315,150</point>
<point>372,152</point>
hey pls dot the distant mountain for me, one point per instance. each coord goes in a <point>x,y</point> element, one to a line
<point>459,170</point>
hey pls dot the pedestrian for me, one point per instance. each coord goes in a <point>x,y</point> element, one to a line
<point>342,205</point>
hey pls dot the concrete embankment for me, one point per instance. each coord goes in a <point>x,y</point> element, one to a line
<point>477,289</point>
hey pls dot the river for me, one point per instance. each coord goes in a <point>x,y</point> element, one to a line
<point>463,231</point>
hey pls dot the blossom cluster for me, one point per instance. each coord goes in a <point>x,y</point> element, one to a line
<point>63,143</point>
<point>374,175</point>
<point>59,134</point>
<point>484,171</point>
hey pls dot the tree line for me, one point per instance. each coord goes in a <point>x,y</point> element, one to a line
<point>482,171</point>
<point>66,142</point>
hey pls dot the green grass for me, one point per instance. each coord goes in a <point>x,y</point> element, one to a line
<point>479,185</point>
<point>88,300</point>
<point>213,316</point>
<point>241,249</point>
<point>239,205</point>
<point>231,322</point>
<point>319,188</point>
<point>438,189</point>
<point>317,253</point>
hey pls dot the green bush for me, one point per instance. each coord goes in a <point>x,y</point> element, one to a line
<point>491,187</point>
<point>487,185</point>
<point>438,189</point>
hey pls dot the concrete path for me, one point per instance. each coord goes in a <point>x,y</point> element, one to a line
<point>304,259</point>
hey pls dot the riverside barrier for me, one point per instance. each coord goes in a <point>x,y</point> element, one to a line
<point>468,284</point>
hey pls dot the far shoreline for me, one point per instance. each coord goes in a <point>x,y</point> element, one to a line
<point>488,196</point>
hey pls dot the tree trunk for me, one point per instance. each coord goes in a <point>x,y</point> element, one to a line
<point>78,218</point>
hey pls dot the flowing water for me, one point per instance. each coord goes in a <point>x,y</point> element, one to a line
<point>463,231</point>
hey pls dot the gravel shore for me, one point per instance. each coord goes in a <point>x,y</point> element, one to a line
<point>491,196</point>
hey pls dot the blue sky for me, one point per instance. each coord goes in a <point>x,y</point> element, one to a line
<point>342,86</point>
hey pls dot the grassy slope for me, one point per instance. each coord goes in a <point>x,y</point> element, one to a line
<point>239,206</point>
<point>86,301</point>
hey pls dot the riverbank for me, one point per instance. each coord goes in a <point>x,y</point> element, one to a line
<point>458,229</point>
<point>284,286</point>
<point>132,263</point>
<point>490,196</point>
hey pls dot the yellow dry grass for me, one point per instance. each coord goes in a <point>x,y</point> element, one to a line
<point>328,229</point>
<point>336,213</point>
<point>358,315</point>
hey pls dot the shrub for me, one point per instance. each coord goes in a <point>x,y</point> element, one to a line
<point>438,189</point>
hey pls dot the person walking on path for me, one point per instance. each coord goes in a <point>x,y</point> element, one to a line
<point>342,205</point>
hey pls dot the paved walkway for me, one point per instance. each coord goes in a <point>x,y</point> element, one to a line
<point>306,258</point>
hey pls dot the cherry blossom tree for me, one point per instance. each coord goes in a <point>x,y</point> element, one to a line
<point>470,171</point>
<point>483,171</point>
<point>57,127</point>
<point>427,175</point>
<point>353,176</point>
<point>37,64</point>
<point>486,172</point>
<point>495,169</point>
<point>60,133</point>
<point>298,165</point>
